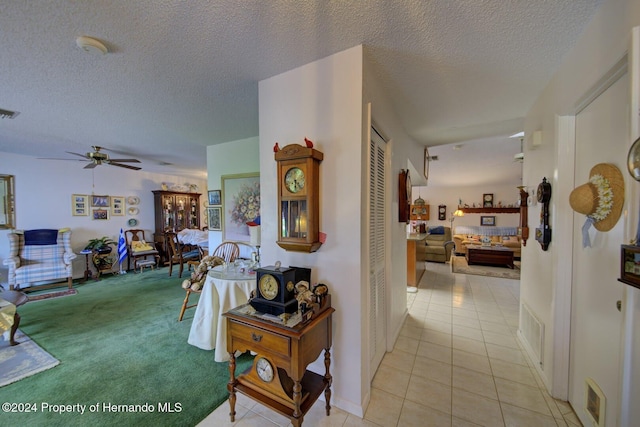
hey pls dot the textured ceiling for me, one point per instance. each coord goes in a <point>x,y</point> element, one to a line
<point>182,75</point>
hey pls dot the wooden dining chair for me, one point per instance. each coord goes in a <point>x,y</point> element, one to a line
<point>179,253</point>
<point>228,251</point>
<point>196,282</point>
<point>139,249</point>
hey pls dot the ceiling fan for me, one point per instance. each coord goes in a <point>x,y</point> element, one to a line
<point>97,157</point>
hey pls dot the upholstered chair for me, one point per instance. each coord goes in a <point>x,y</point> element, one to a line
<point>39,256</point>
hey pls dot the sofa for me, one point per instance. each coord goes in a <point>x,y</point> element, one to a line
<point>499,236</point>
<point>438,245</point>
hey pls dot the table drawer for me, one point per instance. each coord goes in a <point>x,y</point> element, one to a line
<point>260,339</point>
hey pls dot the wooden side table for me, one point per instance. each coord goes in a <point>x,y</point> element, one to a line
<point>16,298</point>
<point>279,378</point>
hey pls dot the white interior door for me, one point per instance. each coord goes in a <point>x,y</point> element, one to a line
<point>377,238</point>
<point>602,130</point>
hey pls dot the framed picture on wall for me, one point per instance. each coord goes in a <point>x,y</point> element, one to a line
<point>99,201</point>
<point>214,218</point>
<point>117,205</point>
<point>488,220</point>
<point>215,197</point>
<point>80,205</point>
<point>240,204</point>
<point>100,214</point>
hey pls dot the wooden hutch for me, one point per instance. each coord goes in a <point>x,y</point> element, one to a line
<point>174,211</point>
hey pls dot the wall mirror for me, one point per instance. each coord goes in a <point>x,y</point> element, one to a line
<point>7,206</point>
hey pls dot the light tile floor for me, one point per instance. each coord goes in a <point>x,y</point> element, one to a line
<point>456,363</point>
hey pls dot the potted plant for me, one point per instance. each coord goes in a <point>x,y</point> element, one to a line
<point>100,245</point>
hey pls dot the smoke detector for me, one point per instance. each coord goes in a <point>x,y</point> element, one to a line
<point>91,45</point>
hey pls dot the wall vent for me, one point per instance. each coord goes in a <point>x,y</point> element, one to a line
<point>6,114</point>
<point>533,332</point>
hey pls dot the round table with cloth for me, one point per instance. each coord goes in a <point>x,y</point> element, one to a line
<point>221,292</point>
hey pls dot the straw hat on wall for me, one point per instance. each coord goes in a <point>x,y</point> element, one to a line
<point>601,198</point>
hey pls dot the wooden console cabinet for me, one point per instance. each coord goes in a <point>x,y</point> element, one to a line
<point>415,258</point>
<point>292,390</point>
<point>174,211</point>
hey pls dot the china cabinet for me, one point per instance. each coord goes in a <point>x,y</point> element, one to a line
<point>174,211</point>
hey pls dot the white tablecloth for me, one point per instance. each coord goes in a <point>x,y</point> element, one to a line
<point>221,293</point>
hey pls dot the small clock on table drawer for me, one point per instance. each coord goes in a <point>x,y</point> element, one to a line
<point>275,292</point>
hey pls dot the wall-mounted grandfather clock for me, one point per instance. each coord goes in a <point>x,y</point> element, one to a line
<point>442,212</point>
<point>299,198</point>
<point>523,229</point>
<point>543,233</point>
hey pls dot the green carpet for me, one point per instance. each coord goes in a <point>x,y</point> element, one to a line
<point>119,343</point>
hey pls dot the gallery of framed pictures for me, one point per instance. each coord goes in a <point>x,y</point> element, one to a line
<point>98,207</point>
<point>240,204</point>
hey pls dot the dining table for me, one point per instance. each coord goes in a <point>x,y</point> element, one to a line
<point>225,287</point>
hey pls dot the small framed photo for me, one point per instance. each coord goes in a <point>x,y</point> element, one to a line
<point>488,220</point>
<point>99,201</point>
<point>100,214</point>
<point>117,205</point>
<point>215,197</point>
<point>214,218</point>
<point>80,204</point>
<point>630,265</point>
<point>487,200</point>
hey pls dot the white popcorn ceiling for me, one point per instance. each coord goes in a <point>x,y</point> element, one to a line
<point>182,75</point>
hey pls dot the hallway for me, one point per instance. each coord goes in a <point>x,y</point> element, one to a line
<point>456,363</point>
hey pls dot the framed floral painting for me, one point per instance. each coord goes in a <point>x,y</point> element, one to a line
<point>240,204</point>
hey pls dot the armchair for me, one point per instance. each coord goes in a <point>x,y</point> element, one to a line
<point>139,250</point>
<point>38,256</point>
<point>180,254</point>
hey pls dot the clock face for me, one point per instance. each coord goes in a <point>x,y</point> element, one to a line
<point>408,186</point>
<point>264,369</point>
<point>268,287</point>
<point>442,209</point>
<point>294,180</point>
<point>487,198</point>
<point>544,192</point>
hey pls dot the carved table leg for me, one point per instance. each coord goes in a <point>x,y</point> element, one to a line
<point>231,386</point>
<point>14,328</point>
<point>328,379</point>
<point>297,398</point>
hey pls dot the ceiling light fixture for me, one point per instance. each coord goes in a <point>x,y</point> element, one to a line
<point>91,45</point>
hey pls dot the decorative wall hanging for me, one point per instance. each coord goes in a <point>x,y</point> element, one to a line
<point>600,199</point>
<point>241,203</point>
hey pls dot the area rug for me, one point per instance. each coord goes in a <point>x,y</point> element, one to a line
<point>51,295</point>
<point>459,265</point>
<point>22,360</point>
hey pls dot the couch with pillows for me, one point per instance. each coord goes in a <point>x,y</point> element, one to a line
<point>498,236</point>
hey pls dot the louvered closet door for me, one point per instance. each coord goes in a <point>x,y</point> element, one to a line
<point>377,239</point>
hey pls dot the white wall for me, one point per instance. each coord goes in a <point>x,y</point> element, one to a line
<point>546,275</point>
<point>43,198</point>
<point>322,101</point>
<point>230,158</point>
<point>507,193</point>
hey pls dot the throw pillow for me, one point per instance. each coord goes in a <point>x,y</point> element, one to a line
<point>436,230</point>
<point>140,246</point>
<point>506,238</point>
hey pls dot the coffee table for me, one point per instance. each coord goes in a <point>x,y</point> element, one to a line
<point>489,255</point>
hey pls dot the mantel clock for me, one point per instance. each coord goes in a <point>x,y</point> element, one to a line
<point>275,293</point>
<point>298,198</point>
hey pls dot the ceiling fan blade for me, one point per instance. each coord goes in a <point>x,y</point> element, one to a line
<point>52,158</point>
<point>78,154</point>
<point>91,165</point>
<point>125,160</point>
<point>135,168</point>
